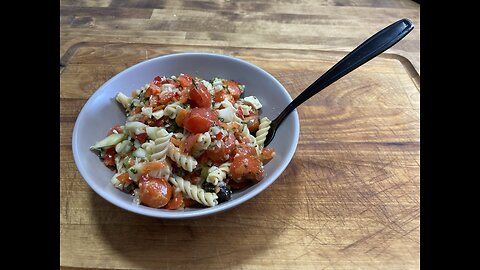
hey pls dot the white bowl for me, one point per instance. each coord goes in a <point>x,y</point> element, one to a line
<point>101,112</point>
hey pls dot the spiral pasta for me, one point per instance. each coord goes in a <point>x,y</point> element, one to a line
<point>172,109</point>
<point>194,192</point>
<point>158,147</point>
<point>262,131</point>
<point>135,128</point>
<point>187,162</point>
<point>203,142</point>
<point>217,174</point>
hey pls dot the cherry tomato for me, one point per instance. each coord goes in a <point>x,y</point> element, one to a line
<point>233,88</point>
<point>155,122</point>
<point>175,202</point>
<point>244,149</point>
<point>219,96</point>
<point>189,142</point>
<point>180,117</point>
<point>253,122</point>
<point>245,167</point>
<point>267,153</point>
<point>202,159</point>
<point>141,137</point>
<point>153,101</point>
<point>200,97</point>
<point>153,89</point>
<point>109,157</point>
<point>182,96</point>
<point>165,97</point>
<point>116,127</point>
<point>199,120</point>
<point>185,80</point>
<point>155,192</point>
<point>219,154</point>
<point>124,178</point>
<point>159,82</point>
<point>240,113</point>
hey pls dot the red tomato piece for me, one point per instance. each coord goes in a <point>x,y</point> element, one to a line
<point>246,168</point>
<point>199,120</point>
<point>109,157</point>
<point>233,89</point>
<point>219,154</point>
<point>175,202</point>
<point>117,128</point>
<point>155,192</point>
<point>219,96</point>
<point>166,97</point>
<point>185,80</point>
<point>244,149</point>
<point>141,137</point>
<point>199,96</point>
<point>268,153</point>
<point>189,142</point>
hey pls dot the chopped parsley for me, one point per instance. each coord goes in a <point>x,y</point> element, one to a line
<point>133,170</point>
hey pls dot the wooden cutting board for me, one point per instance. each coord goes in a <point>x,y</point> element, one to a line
<point>349,199</point>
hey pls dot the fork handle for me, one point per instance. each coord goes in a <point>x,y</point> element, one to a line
<point>369,49</point>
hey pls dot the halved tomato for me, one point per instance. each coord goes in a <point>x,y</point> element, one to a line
<point>199,96</point>
<point>155,192</point>
<point>109,157</point>
<point>189,142</point>
<point>219,154</point>
<point>185,80</point>
<point>246,167</point>
<point>233,89</point>
<point>175,202</point>
<point>199,120</point>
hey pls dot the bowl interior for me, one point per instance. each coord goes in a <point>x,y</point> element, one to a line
<point>101,112</point>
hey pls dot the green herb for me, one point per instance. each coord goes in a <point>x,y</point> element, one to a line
<point>221,119</point>
<point>133,170</point>
<point>246,122</point>
<point>242,87</point>
<point>204,172</point>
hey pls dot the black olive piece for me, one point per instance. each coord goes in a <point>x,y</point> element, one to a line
<point>225,194</point>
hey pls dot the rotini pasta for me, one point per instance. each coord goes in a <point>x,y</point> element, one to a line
<point>194,192</point>
<point>187,162</point>
<point>171,110</point>
<point>183,133</point>
<point>217,174</point>
<point>202,144</point>
<point>262,131</point>
<point>157,148</point>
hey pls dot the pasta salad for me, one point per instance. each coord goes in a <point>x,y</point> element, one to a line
<point>186,142</point>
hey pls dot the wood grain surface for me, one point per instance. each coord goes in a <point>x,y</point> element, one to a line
<point>349,199</point>
<point>338,25</point>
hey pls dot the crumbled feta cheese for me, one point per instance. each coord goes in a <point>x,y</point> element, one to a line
<point>209,86</point>
<point>158,114</point>
<point>245,109</point>
<point>147,111</point>
<point>253,101</point>
<point>217,84</point>
<point>167,87</point>
<point>228,113</point>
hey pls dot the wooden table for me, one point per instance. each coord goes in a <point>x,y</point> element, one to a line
<point>350,197</point>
